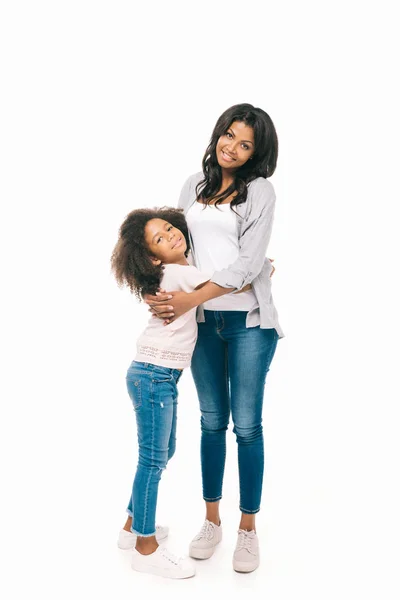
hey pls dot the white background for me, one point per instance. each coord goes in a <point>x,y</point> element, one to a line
<point>109,106</point>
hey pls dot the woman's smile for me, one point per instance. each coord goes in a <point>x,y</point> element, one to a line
<point>227,157</point>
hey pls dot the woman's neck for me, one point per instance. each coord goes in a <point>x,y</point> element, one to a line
<point>227,179</point>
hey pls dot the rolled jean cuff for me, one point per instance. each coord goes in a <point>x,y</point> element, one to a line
<point>142,534</point>
<point>212,499</point>
<point>248,512</point>
<point>130,513</point>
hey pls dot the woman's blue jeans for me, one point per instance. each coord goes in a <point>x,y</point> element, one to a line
<point>229,367</point>
<point>154,395</point>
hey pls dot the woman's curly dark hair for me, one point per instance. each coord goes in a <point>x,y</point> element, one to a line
<point>131,258</point>
<point>262,164</point>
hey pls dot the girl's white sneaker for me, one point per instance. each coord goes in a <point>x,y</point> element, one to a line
<point>127,539</point>
<point>163,563</point>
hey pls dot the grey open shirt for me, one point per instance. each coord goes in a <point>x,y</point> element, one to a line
<point>254,226</point>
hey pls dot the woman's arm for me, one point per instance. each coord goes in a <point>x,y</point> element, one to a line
<point>253,243</point>
<point>254,239</point>
<point>181,302</point>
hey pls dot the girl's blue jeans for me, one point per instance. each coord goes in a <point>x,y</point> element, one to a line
<point>154,396</point>
<point>229,367</point>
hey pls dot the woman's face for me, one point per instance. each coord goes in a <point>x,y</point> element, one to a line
<point>236,146</point>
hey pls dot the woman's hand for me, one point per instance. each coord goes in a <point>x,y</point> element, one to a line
<point>181,303</point>
<point>169,306</point>
<point>159,305</point>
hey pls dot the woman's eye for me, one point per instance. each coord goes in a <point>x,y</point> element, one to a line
<point>245,146</point>
<point>228,135</point>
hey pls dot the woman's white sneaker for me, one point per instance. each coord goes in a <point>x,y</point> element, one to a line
<point>246,557</point>
<point>127,539</point>
<point>163,563</point>
<point>203,544</point>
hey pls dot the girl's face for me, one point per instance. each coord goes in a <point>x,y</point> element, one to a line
<point>236,146</point>
<point>166,243</point>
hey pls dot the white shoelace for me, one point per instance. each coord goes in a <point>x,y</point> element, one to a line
<point>244,541</point>
<point>176,560</point>
<point>206,531</point>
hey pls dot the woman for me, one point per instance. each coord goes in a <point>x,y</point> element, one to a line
<point>229,208</point>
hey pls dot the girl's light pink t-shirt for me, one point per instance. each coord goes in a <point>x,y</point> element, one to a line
<point>172,345</point>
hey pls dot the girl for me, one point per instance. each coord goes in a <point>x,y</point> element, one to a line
<point>152,251</point>
<point>229,208</point>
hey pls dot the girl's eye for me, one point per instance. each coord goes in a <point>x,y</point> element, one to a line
<point>168,229</point>
<point>228,135</point>
<point>245,146</point>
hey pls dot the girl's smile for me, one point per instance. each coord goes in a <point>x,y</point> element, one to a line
<point>177,244</point>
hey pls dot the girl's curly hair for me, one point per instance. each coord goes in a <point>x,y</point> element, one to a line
<point>131,258</point>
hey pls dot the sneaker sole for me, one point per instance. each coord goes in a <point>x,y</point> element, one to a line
<point>242,567</point>
<point>201,553</point>
<point>170,575</point>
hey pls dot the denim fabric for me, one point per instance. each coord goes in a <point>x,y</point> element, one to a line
<point>154,395</point>
<point>229,367</point>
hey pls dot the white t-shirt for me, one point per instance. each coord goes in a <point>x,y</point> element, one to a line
<point>172,345</point>
<point>215,240</point>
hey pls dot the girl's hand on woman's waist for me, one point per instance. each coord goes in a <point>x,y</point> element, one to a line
<point>271,260</point>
